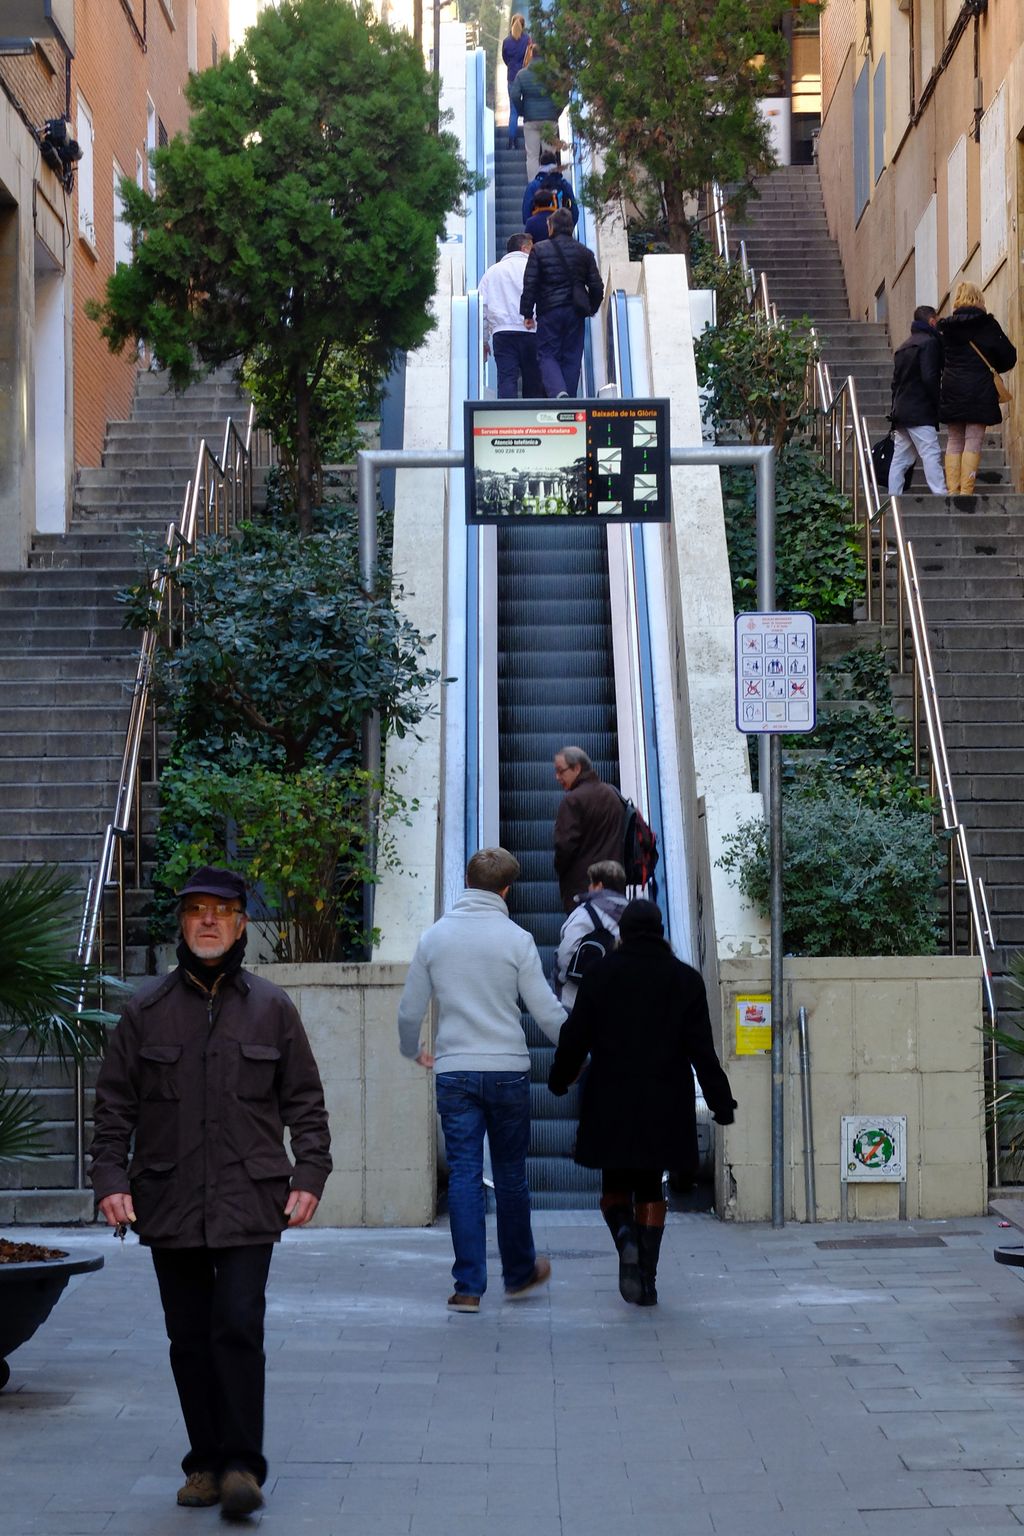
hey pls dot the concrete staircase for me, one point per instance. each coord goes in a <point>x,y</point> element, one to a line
<point>66,673</point>
<point>787,238</point>
<point>970,558</point>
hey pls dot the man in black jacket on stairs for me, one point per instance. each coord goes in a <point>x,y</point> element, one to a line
<point>917,371</point>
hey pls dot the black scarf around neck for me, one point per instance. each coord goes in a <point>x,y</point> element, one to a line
<point>208,976</point>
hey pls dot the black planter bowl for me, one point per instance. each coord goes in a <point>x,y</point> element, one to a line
<point>28,1294</point>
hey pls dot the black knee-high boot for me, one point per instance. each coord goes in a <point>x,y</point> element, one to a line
<point>650,1226</point>
<point>617,1210</point>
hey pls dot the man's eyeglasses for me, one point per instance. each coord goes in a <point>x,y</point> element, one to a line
<point>218,908</point>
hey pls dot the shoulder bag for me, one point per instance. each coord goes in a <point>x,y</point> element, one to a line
<point>580,297</point>
<point>1003,395</point>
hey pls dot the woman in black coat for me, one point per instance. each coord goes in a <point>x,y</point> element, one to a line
<point>642,1016</point>
<point>974,344</point>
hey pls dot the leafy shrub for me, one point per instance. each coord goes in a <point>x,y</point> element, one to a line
<point>754,373</point>
<point>298,840</point>
<point>857,879</point>
<point>820,565</point>
<point>283,656</point>
<point>867,748</point>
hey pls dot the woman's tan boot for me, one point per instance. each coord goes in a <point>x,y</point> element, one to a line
<point>968,471</point>
<point>952,466</point>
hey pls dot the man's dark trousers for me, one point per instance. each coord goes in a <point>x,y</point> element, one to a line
<point>515,355</point>
<point>560,349</point>
<point>214,1300</point>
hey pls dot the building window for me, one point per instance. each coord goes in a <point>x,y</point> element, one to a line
<point>956,206</point>
<point>193,35</point>
<point>161,133</point>
<point>993,185</point>
<point>140,170</point>
<point>84,179</point>
<point>878,116</point>
<point>861,142</point>
<point>150,144</point>
<point>122,229</point>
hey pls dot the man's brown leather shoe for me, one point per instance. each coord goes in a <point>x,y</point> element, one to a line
<point>541,1275</point>
<point>239,1493</point>
<point>199,1490</point>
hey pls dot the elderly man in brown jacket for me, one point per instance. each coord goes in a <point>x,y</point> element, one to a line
<point>205,1069</point>
<point>589,826</point>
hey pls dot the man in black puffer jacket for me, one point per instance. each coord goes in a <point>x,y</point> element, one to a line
<point>557,266</point>
<point>916,376</point>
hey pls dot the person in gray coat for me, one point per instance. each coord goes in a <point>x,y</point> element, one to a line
<point>478,964</point>
<point>538,109</point>
<point>602,905</point>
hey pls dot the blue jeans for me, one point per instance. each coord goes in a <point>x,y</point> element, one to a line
<point>469,1104</point>
<point>559,349</point>
<point>515,356</point>
<point>513,122</point>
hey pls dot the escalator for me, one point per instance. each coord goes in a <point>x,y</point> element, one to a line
<point>555,688</point>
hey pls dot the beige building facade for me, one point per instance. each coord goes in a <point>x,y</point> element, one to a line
<point>921,154</point>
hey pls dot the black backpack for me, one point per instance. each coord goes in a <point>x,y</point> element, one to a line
<point>639,850</point>
<point>591,948</point>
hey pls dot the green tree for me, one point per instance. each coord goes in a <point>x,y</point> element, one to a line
<point>300,214</point>
<point>283,654</point>
<point>668,94</point>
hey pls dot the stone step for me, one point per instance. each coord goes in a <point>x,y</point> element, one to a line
<point>47,1207</point>
<point>61,768</point>
<point>70,795</point>
<point>79,822</point>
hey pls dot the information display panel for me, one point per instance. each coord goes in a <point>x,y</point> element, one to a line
<point>559,459</point>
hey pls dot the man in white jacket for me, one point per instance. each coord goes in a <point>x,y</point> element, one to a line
<point>511,338</point>
<point>478,964</point>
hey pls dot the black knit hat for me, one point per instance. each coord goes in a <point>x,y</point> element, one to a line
<point>641,920</point>
<point>209,881</point>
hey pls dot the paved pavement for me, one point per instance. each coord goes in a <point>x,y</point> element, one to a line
<point>783,1388</point>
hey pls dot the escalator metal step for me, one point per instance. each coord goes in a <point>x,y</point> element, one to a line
<point>552,1138</point>
<point>571,664</point>
<point>540,716</point>
<point>560,1173</point>
<point>544,1105</point>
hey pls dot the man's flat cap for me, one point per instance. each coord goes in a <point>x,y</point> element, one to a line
<point>215,882</point>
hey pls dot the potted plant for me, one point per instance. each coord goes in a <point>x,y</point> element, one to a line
<point>41,990</point>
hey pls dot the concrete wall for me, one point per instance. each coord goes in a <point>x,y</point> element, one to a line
<point>887,1036</point>
<point>715,779</point>
<point>407,896</point>
<point>381,1106</point>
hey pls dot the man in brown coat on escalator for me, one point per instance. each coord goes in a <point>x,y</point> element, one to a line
<point>589,825</point>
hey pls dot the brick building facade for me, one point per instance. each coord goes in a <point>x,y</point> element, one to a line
<point>120,82</point>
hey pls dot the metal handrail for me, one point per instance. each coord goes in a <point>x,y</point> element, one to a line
<point>755,283</point>
<point>217,498</point>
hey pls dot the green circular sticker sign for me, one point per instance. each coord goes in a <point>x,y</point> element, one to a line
<point>873,1147</point>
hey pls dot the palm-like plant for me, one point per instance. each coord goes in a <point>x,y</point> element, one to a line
<point>42,986</point>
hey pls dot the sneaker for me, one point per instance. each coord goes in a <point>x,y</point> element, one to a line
<point>239,1493</point>
<point>563,394</point>
<point>541,1275</point>
<point>460,1302</point>
<point>199,1490</point>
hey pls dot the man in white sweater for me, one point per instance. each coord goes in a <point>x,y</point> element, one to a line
<point>478,964</point>
<point>512,339</point>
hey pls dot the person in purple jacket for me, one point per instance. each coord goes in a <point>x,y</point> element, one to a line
<point>513,54</point>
